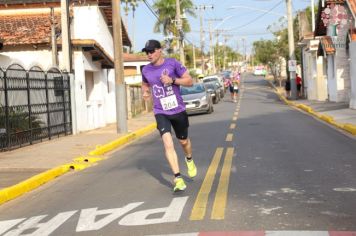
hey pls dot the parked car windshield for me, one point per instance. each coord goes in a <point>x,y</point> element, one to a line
<point>196,88</point>
<point>211,85</point>
<point>211,79</point>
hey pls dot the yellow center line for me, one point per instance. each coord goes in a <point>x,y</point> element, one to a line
<point>199,208</point>
<point>236,113</point>
<point>229,137</point>
<point>233,126</point>
<point>218,212</point>
<point>234,118</point>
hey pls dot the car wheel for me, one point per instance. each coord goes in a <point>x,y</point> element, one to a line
<point>210,110</point>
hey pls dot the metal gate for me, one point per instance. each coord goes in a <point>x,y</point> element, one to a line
<point>34,106</point>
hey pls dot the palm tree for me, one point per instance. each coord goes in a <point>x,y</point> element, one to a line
<point>133,4</point>
<point>166,10</point>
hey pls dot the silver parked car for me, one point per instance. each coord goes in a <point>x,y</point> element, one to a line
<point>218,82</point>
<point>197,99</point>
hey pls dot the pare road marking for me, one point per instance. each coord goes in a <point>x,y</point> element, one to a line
<point>92,219</point>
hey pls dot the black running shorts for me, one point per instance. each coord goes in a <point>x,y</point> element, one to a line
<point>179,122</point>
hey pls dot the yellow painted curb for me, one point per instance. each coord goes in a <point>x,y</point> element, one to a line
<point>100,150</point>
<point>89,159</point>
<point>350,128</point>
<point>78,165</point>
<point>327,118</point>
<point>305,108</point>
<point>14,191</point>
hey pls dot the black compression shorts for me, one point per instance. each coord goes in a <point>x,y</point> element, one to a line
<point>179,122</point>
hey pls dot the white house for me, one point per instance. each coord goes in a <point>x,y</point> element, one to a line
<point>133,65</point>
<point>351,4</point>
<point>313,73</point>
<point>25,28</point>
<point>333,33</point>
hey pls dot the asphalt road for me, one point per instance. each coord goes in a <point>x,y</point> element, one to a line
<point>261,166</point>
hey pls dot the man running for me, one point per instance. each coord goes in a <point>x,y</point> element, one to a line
<point>161,79</point>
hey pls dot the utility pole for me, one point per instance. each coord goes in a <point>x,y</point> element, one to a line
<point>194,64</point>
<point>120,89</point>
<point>53,40</point>
<point>66,50</point>
<point>291,50</point>
<point>201,8</point>
<point>180,32</point>
<point>244,47</point>
<point>313,15</point>
<point>67,59</point>
<point>226,36</point>
<point>211,44</point>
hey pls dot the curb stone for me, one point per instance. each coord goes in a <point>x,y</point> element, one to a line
<point>350,128</point>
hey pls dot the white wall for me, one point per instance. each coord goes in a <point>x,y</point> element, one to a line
<point>99,110</point>
<point>89,23</point>
<point>309,77</point>
<point>110,99</point>
<point>27,59</point>
<point>353,74</point>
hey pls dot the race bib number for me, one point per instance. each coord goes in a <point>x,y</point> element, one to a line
<point>169,102</point>
<point>236,87</point>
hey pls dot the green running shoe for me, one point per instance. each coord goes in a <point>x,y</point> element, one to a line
<point>179,184</point>
<point>192,169</point>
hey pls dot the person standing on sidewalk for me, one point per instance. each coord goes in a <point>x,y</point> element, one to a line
<point>161,79</point>
<point>287,87</point>
<point>299,85</point>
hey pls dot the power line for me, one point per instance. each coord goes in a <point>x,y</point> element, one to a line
<point>258,17</point>
<point>157,17</point>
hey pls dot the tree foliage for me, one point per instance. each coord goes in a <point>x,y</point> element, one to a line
<point>166,10</point>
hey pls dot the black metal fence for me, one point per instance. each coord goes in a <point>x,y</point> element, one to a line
<point>34,105</point>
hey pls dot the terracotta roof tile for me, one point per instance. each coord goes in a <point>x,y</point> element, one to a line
<point>26,29</point>
<point>134,57</point>
<point>105,6</point>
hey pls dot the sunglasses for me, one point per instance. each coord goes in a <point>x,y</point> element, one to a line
<point>150,51</point>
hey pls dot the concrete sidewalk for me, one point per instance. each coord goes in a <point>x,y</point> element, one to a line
<point>21,164</point>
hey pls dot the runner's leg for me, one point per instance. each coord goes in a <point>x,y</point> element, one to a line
<point>170,152</point>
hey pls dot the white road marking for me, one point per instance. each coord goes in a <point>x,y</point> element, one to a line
<point>42,229</point>
<point>87,217</point>
<point>172,213</point>
<point>187,234</point>
<point>297,233</point>
<point>345,189</point>
<point>8,224</point>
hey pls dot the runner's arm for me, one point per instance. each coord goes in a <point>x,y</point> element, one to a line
<point>146,93</point>
<point>185,80</point>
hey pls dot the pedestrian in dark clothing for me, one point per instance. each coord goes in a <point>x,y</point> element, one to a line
<point>287,87</point>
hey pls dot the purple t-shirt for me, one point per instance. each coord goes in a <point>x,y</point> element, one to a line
<point>166,99</point>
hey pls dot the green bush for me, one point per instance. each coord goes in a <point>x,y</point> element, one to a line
<point>19,120</point>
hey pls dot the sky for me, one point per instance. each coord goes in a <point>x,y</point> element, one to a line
<point>244,21</point>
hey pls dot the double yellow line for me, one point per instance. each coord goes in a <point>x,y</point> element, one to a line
<point>219,206</point>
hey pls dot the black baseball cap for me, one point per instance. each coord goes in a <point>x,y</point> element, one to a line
<point>151,45</point>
